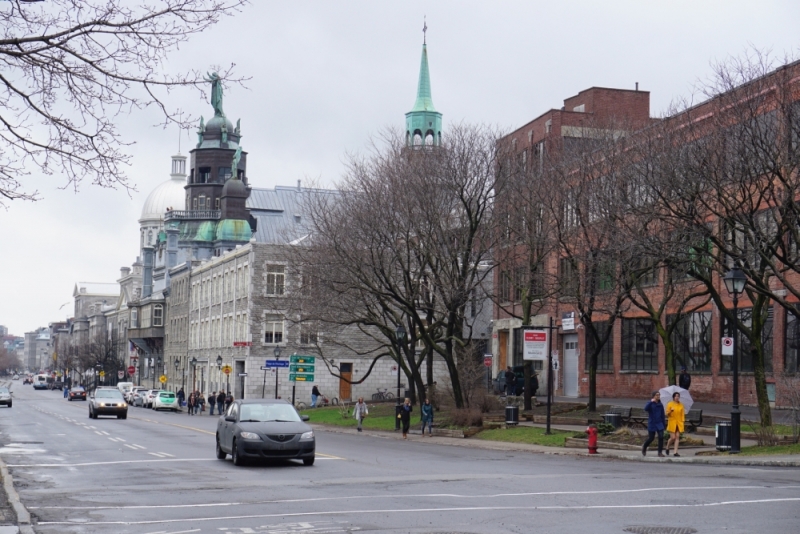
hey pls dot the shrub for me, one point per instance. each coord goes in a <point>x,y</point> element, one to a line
<point>467,417</point>
<point>605,428</point>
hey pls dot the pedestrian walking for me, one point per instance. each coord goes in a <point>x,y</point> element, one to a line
<point>655,423</point>
<point>427,417</point>
<point>212,401</point>
<point>66,391</point>
<point>676,415</point>
<point>511,382</point>
<point>405,416</point>
<point>201,402</point>
<point>228,401</point>
<point>190,404</point>
<point>534,384</point>
<point>181,397</point>
<point>684,379</point>
<point>315,394</point>
<point>360,411</point>
<point>220,401</point>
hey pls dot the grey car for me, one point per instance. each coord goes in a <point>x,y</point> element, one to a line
<point>107,402</point>
<point>264,429</point>
<point>5,397</point>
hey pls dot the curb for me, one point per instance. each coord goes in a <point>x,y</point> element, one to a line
<point>541,449</point>
<point>23,516</point>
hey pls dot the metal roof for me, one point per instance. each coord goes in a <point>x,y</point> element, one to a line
<point>280,212</point>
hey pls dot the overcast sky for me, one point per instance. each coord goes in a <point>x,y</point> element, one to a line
<point>325,76</point>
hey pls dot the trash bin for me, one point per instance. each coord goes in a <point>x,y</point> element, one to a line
<point>512,415</point>
<point>613,419</point>
<point>723,434</point>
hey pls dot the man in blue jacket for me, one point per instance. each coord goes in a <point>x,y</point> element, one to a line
<point>655,423</point>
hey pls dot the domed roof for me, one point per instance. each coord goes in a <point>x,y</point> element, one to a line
<point>234,188</point>
<point>234,230</point>
<point>169,194</point>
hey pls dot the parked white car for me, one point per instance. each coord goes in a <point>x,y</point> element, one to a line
<point>131,395</point>
<point>165,400</point>
<point>147,398</point>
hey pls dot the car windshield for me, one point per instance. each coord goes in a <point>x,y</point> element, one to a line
<point>269,412</point>
<point>3,390</point>
<point>79,388</point>
<point>167,395</point>
<point>108,394</point>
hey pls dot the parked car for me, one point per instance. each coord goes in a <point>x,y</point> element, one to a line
<point>138,397</point>
<point>5,397</point>
<point>58,384</point>
<point>77,393</point>
<point>124,387</point>
<point>165,400</point>
<point>147,398</point>
<point>27,380</point>
<point>264,429</point>
<point>107,402</point>
<point>130,396</point>
<point>16,377</point>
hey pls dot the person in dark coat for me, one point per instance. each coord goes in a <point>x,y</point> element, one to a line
<point>427,417</point>
<point>190,404</point>
<point>405,416</point>
<point>534,384</point>
<point>181,397</point>
<point>220,401</point>
<point>228,401</point>
<point>212,402</point>
<point>684,379</point>
<point>511,382</point>
<point>656,423</point>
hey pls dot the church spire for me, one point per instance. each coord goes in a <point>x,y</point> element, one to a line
<point>423,122</point>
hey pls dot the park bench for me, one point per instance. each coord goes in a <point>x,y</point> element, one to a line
<point>694,419</point>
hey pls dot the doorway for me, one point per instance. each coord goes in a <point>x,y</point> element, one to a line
<point>345,391</point>
<point>502,351</point>
<point>571,365</point>
<point>239,384</point>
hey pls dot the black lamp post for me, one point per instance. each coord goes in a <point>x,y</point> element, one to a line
<point>177,363</point>
<point>158,365</point>
<point>735,280</point>
<point>219,365</point>
<point>400,332</point>
<point>194,373</point>
<point>277,353</point>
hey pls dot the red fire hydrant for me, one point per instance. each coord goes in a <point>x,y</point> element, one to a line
<point>592,432</point>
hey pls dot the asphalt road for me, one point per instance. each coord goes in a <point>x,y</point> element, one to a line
<point>157,473</point>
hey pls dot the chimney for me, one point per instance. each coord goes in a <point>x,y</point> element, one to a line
<point>637,86</point>
<point>124,271</point>
<point>298,186</point>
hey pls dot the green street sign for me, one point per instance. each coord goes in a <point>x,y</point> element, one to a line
<point>296,377</point>
<point>296,358</point>
<point>295,368</point>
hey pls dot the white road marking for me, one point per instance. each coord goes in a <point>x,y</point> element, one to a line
<point>104,432</point>
<point>420,496</point>
<point>158,455</point>
<point>120,439</point>
<point>131,447</point>
<point>175,531</point>
<point>167,454</point>
<point>117,462</point>
<point>139,446</point>
<point>113,439</point>
<point>423,510</point>
<point>98,433</point>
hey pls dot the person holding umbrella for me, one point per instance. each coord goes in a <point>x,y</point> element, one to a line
<point>676,416</point>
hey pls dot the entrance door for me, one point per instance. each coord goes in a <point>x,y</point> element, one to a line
<point>239,384</point>
<point>502,351</point>
<point>346,371</point>
<point>571,365</point>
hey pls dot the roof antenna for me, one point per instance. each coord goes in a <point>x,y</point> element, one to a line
<point>424,29</point>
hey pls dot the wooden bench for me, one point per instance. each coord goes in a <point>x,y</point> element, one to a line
<point>693,419</point>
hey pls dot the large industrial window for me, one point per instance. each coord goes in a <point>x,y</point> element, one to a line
<point>742,346</point>
<point>691,340</point>
<point>639,345</point>
<point>792,343</point>
<point>605,359</point>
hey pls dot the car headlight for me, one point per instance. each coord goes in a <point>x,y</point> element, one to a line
<point>250,435</point>
<point>307,435</point>
<point>124,405</point>
<point>102,404</point>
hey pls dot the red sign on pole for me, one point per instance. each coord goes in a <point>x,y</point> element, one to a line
<point>487,361</point>
<point>131,370</point>
<point>120,374</point>
<point>242,343</point>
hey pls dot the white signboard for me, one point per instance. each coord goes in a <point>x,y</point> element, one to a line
<point>534,346</point>
<point>727,346</point>
<point>568,321</point>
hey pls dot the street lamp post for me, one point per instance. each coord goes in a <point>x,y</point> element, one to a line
<point>735,280</point>
<point>158,365</point>
<point>277,353</point>
<point>177,363</point>
<point>219,366</point>
<point>400,332</point>
<point>194,373</point>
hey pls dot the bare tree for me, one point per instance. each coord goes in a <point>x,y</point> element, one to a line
<point>72,67</point>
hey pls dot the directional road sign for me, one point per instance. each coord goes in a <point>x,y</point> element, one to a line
<point>162,379</point>
<point>296,358</point>
<point>297,368</point>
<point>276,363</point>
<point>294,377</point>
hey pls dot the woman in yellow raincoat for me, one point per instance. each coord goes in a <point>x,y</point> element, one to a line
<point>676,415</point>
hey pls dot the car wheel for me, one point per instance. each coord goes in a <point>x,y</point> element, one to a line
<point>237,460</point>
<point>90,413</point>
<point>221,455</point>
<point>9,404</point>
<point>70,399</point>
<point>308,461</point>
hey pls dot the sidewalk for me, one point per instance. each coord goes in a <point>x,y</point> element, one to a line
<point>688,456</point>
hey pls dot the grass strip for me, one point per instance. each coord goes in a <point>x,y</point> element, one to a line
<point>525,434</point>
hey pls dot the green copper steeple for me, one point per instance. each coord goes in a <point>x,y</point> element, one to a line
<point>423,122</point>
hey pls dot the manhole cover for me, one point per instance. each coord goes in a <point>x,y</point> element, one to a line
<point>661,530</point>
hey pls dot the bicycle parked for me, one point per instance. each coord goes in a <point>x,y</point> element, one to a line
<point>383,395</point>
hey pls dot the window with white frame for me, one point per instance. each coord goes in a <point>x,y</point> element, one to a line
<point>134,317</point>
<point>158,315</point>
<point>276,277</point>
<point>273,329</point>
<point>309,334</point>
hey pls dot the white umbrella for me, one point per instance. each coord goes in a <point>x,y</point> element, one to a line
<point>686,398</point>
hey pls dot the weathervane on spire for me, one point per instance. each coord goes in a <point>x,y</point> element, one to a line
<point>424,29</point>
